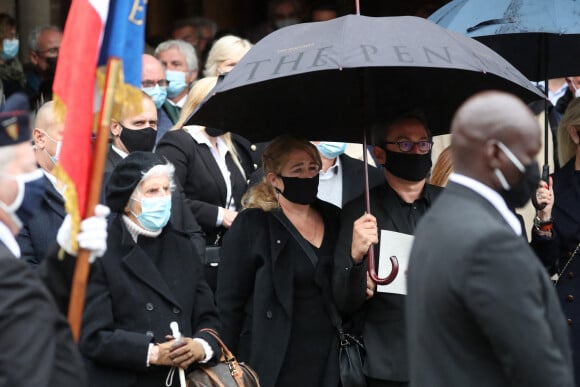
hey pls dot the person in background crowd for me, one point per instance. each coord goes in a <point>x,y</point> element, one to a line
<point>274,285</point>
<point>180,63</point>
<point>154,84</point>
<point>224,54</point>
<point>11,73</point>
<point>281,13</point>
<point>477,295</point>
<point>323,11</point>
<point>398,205</point>
<point>442,168</point>
<point>43,45</point>
<point>556,231</point>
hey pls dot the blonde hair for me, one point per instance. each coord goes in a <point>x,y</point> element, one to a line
<point>197,93</point>
<point>442,168</point>
<point>275,156</point>
<point>223,49</point>
<point>566,147</point>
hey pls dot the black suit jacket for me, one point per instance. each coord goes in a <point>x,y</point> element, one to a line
<point>353,178</point>
<point>38,349</point>
<point>384,329</point>
<point>131,300</point>
<point>39,234</point>
<point>200,178</point>
<point>481,309</point>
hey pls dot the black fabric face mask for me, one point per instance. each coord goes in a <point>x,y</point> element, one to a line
<point>213,132</point>
<point>138,139</point>
<point>519,195</point>
<point>408,166</point>
<point>298,190</point>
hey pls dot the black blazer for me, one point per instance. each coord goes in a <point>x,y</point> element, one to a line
<point>384,327</point>
<point>131,301</point>
<point>353,177</point>
<point>255,290</point>
<point>38,346</point>
<point>201,179</point>
<point>39,234</point>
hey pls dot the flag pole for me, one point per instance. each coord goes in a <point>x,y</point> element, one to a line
<point>81,272</point>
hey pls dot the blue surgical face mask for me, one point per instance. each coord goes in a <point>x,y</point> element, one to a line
<point>9,48</point>
<point>53,158</point>
<point>158,94</point>
<point>31,189</point>
<point>155,212</point>
<point>176,82</point>
<point>330,150</point>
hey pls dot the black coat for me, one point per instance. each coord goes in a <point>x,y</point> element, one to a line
<point>384,328</point>
<point>131,300</point>
<point>255,294</point>
<point>38,235</point>
<point>555,252</point>
<point>38,348</point>
<point>200,178</point>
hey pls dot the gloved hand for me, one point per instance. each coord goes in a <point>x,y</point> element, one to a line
<point>92,235</point>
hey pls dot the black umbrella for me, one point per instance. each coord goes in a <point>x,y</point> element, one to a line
<point>333,80</point>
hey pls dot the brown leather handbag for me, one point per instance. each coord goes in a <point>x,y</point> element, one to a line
<point>227,373</point>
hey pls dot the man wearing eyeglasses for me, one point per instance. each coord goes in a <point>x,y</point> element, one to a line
<point>43,45</point>
<point>397,205</point>
<point>154,84</point>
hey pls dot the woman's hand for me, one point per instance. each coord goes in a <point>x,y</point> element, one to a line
<point>185,352</point>
<point>545,195</point>
<point>160,354</point>
<point>364,235</point>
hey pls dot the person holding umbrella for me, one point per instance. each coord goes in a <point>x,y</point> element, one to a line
<point>149,277</point>
<point>273,288</point>
<point>405,151</point>
<point>556,234</point>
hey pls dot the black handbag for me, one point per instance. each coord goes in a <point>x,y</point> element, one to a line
<point>351,351</point>
<point>228,372</point>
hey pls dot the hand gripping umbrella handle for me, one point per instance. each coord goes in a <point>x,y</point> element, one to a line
<point>373,274</point>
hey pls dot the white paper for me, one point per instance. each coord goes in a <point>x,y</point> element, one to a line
<point>398,245</point>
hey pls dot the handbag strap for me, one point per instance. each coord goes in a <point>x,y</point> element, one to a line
<point>567,263</point>
<point>334,315</point>
<point>227,357</point>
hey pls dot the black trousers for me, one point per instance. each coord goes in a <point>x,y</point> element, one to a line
<point>385,383</point>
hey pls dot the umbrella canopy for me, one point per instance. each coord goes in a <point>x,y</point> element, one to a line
<point>541,38</point>
<point>330,80</point>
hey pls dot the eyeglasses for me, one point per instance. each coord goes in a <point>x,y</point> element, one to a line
<point>152,83</point>
<point>407,146</point>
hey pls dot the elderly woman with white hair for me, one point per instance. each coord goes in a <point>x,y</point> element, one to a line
<point>224,54</point>
<point>556,234</point>
<point>149,277</point>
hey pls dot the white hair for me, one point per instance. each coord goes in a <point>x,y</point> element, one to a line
<point>222,50</point>
<point>185,48</point>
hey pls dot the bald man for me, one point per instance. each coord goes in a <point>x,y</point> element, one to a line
<point>39,234</point>
<point>481,309</point>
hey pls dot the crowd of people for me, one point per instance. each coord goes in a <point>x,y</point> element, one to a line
<point>287,221</point>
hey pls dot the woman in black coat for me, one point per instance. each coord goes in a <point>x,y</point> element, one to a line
<point>208,166</point>
<point>272,297</point>
<point>149,277</point>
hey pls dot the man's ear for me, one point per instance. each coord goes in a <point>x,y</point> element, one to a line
<point>379,154</point>
<point>115,128</point>
<point>39,138</point>
<point>491,152</point>
<point>34,58</point>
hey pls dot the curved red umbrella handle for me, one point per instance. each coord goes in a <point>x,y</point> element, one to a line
<point>373,274</point>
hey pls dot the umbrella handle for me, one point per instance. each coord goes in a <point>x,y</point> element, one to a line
<point>373,274</point>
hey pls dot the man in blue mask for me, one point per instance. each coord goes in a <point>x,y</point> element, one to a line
<point>341,176</point>
<point>154,83</point>
<point>397,205</point>
<point>180,63</point>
